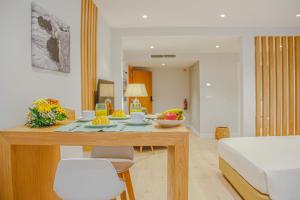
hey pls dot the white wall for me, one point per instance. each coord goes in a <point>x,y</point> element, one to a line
<point>194,100</point>
<point>170,86</point>
<point>247,79</point>
<point>219,103</point>
<point>20,84</point>
<point>117,67</point>
<point>104,53</point>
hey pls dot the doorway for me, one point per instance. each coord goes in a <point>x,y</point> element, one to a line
<point>136,75</point>
<point>210,96</point>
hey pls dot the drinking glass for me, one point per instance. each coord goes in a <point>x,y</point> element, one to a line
<point>101,109</point>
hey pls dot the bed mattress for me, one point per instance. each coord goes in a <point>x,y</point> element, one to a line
<point>269,164</point>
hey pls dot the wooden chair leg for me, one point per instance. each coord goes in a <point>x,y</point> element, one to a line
<point>141,149</point>
<point>123,194</point>
<point>152,149</point>
<point>128,183</point>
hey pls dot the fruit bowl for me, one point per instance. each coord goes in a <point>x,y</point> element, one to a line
<point>169,123</point>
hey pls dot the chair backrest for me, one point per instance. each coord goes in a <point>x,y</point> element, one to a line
<point>87,178</point>
<point>113,152</point>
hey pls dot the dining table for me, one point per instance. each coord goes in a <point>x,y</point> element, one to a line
<point>29,156</point>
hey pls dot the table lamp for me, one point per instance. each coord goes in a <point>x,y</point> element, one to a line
<point>136,90</point>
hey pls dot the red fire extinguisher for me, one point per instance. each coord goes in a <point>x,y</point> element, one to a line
<point>185,104</point>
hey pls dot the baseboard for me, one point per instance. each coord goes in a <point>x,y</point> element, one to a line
<point>193,129</point>
<point>212,135</point>
<point>208,135</point>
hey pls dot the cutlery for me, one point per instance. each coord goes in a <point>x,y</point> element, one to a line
<point>73,128</point>
<point>123,127</point>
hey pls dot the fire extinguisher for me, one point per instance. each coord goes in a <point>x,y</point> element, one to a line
<point>185,104</point>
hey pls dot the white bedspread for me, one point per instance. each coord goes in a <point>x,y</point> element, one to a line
<point>270,164</point>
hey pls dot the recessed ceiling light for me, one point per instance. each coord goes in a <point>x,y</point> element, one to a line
<point>145,16</point>
<point>208,84</point>
<point>222,15</point>
<point>298,15</point>
<point>163,64</point>
<point>218,46</point>
<point>151,47</point>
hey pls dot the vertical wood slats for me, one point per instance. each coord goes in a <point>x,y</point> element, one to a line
<point>284,87</point>
<point>278,85</point>
<point>83,45</point>
<point>291,85</point>
<point>257,79</point>
<point>297,78</point>
<point>277,65</point>
<point>264,86</point>
<point>89,27</point>
<point>271,81</point>
<point>96,49</point>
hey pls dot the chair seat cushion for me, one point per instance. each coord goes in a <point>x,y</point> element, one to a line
<point>121,165</point>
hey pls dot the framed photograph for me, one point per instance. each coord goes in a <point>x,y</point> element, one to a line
<point>50,41</point>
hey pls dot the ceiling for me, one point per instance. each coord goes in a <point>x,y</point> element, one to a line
<point>181,44</point>
<point>170,63</point>
<point>201,13</point>
<point>137,50</point>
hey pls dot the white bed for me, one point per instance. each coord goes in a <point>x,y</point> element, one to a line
<point>270,164</point>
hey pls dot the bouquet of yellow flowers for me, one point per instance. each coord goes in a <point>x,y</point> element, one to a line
<point>45,112</point>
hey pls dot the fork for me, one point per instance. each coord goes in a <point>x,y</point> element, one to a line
<point>123,127</point>
<point>73,128</point>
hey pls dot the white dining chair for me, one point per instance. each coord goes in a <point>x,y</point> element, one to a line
<point>87,179</point>
<point>71,152</point>
<point>122,158</point>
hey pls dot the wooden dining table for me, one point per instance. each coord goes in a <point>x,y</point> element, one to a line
<point>29,157</point>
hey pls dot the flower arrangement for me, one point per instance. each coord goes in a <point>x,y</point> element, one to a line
<point>45,112</point>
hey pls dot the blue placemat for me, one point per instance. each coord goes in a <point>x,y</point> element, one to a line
<point>120,126</point>
<point>144,128</point>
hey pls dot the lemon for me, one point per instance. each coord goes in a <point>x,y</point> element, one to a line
<point>101,120</point>
<point>119,113</point>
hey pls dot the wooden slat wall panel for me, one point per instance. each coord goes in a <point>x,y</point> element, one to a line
<point>271,88</point>
<point>95,78</point>
<point>264,87</point>
<point>291,85</point>
<point>83,44</point>
<point>89,30</point>
<point>88,60</point>
<point>297,69</point>
<point>277,65</point>
<point>278,85</point>
<point>284,87</point>
<point>257,79</point>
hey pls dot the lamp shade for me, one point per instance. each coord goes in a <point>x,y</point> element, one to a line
<point>136,90</point>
